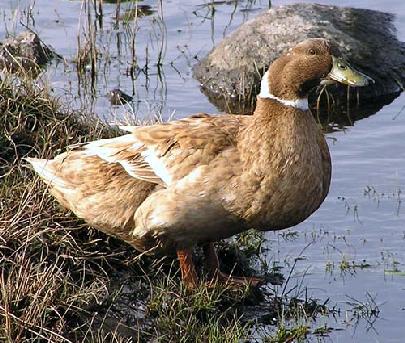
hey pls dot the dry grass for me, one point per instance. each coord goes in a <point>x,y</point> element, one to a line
<point>32,122</point>
<point>52,266</point>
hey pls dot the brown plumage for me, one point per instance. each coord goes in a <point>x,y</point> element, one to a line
<point>206,178</point>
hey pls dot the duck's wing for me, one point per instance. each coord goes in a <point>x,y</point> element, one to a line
<point>165,153</point>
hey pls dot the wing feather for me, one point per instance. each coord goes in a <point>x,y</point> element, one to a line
<point>167,152</point>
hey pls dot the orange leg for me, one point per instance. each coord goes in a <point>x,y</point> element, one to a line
<point>188,274</point>
<point>217,275</point>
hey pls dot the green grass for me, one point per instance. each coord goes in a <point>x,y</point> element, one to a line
<point>211,312</point>
<point>284,334</point>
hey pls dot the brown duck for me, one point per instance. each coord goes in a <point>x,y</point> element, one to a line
<point>201,179</point>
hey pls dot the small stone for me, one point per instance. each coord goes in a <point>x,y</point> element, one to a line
<point>24,53</point>
<point>118,97</point>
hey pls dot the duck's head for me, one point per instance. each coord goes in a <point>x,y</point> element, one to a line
<point>310,63</point>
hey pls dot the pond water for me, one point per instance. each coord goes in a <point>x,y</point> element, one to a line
<point>354,245</point>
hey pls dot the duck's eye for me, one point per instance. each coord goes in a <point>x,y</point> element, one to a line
<point>342,66</point>
<point>312,52</point>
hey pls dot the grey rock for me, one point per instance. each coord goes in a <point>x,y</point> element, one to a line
<point>24,53</point>
<point>230,74</point>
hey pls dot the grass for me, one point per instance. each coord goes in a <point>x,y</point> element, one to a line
<point>34,123</point>
<point>285,335</point>
<point>209,312</point>
<point>52,267</point>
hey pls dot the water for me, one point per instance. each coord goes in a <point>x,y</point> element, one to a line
<point>362,219</point>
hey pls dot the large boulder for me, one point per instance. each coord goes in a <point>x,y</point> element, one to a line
<point>230,74</point>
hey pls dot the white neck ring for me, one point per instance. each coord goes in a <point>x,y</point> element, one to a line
<point>301,104</point>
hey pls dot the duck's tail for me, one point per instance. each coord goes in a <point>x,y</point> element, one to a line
<point>46,170</point>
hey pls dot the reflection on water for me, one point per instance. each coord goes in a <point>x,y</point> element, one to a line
<point>342,115</point>
<point>356,253</point>
<point>140,54</point>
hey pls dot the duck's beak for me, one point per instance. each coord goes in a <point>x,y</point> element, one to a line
<point>344,73</point>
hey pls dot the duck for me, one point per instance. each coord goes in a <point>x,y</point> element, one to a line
<point>170,186</point>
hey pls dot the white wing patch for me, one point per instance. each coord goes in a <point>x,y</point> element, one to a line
<point>157,165</point>
<point>148,170</point>
<point>146,164</point>
<point>107,149</point>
